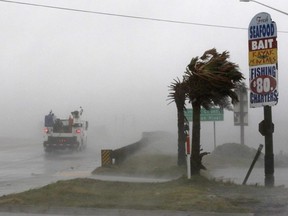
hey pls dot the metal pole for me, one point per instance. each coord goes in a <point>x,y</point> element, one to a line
<point>188,155</point>
<point>253,163</point>
<point>214,124</point>
<point>241,115</point>
<point>188,166</point>
<point>269,155</point>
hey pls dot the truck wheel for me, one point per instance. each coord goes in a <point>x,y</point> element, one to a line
<point>48,150</point>
<point>79,148</point>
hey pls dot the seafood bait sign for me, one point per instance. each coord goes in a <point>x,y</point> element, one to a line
<point>263,59</point>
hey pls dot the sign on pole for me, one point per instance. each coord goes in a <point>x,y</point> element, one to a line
<point>263,59</point>
<point>214,114</point>
<point>241,108</point>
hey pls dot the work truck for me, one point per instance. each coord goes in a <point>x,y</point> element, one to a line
<point>65,134</point>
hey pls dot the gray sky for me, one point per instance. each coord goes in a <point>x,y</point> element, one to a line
<point>119,69</point>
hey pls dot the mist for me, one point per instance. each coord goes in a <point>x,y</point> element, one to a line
<point>119,69</point>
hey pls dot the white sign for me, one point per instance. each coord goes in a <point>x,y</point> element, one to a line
<point>263,59</point>
<point>241,108</point>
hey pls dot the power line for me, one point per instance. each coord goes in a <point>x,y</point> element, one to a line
<point>127,16</point>
<point>121,15</point>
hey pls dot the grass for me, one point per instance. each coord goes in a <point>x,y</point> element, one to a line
<point>147,165</point>
<point>196,194</point>
<point>180,194</point>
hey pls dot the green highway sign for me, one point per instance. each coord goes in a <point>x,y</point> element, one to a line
<point>214,114</point>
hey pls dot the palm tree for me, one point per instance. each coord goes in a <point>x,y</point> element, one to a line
<point>178,95</point>
<point>210,82</point>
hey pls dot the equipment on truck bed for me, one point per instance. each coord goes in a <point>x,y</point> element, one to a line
<point>70,133</point>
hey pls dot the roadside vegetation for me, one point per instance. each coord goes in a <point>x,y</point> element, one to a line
<point>196,194</point>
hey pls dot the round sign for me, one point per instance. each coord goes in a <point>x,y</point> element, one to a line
<point>263,84</point>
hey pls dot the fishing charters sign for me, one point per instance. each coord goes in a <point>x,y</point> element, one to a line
<point>263,59</point>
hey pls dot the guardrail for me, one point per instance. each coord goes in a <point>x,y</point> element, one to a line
<point>117,156</point>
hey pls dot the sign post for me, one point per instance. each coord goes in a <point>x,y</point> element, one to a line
<point>263,78</point>
<point>263,75</point>
<point>241,111</point>
<point>214,114</point>
<point>188,155</point>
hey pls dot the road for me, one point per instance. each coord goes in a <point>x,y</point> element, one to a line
<point>24,165</point>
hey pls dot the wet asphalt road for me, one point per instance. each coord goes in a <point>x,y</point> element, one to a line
<point>24,165</point>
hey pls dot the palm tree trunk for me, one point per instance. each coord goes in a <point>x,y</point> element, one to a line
<point>196,159</point>
<point>181,139</point>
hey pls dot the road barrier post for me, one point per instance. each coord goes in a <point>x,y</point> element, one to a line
<point>106,157</point>
<point>188,156</point>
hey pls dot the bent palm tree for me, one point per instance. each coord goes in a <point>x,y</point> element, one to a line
<point>210,82</point>
<point>178,95</point>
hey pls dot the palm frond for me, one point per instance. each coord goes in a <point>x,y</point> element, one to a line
<point>212,78</point>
